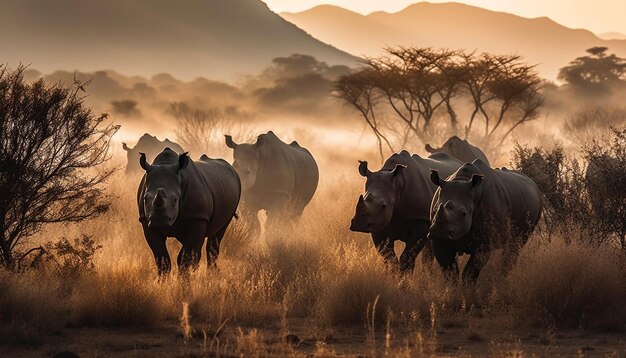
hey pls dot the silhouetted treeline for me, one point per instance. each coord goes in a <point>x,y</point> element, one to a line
<point>415,93</point>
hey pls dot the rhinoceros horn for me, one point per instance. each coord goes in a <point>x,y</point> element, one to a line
<point>159,201</point>
<point>360,206</point>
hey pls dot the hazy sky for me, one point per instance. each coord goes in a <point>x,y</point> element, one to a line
<point>596,15</point>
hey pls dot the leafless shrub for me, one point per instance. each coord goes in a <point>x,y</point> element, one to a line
<point>561,180</point>
<point>67,258</point>
<point>201,131</point>
<point>569,285</point>
<point>49,141</point>
<point>605,182</point>
<point>592,123</point>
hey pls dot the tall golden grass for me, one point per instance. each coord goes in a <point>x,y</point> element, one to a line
<point>316,272</point>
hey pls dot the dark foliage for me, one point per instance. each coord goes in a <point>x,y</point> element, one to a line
<point>606,181</point>
<point>589,204</point>
<point>51,147</point>
<point>562,183</point>
<point>65,257</point>
<point>597,74</point>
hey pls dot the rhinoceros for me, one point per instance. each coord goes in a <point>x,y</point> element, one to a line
<point>461,149</point>
<point>188,200</point>
<point>478,209</point>
<point>150,146</point>
<point>396,204</point>
<point>278,177</point>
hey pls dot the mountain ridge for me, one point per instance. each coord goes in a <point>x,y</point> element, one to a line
<point>539,40</point>
<point>211,38</point>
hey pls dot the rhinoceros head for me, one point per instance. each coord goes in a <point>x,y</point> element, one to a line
<point>246,161</point>
<point>453,207</point>
<point>374,210</point>
<point>454,146</point>
<point>162,196</point>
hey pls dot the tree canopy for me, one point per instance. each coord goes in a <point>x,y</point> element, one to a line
<point>414,93</point>
<point>596,74</point>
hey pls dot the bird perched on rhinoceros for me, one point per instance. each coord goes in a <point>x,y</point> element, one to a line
<point>479,209</point>
<point>189,200</point>
<point>150,146</point>
<point>461,149</point>
<point>277,177</point>
<point>396,204</point>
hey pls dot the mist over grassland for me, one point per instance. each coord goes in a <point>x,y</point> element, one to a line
<point>315,287</point>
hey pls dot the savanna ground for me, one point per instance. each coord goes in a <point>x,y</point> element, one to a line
<point>311,289</point>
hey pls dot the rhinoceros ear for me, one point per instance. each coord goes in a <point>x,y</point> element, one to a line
<point>183,161</point>
<point>144,164</point>
<point>434,177</point>
<point>398,168</point>
<point>429,149</point>
<point>477,179</point>
<point>363,169</point>
<point>229,142</point>
<point>125,147</point>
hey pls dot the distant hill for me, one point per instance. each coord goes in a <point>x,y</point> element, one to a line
<point>211,38</point>
<point>452,25</point>
<point>612,36</point>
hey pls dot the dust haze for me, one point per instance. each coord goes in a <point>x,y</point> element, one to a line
<point>91,85</point>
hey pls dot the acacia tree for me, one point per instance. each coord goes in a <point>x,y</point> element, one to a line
<point>596,74</point>
<point>419,89</point>
<point>359,91</point>
<point>514,88</point>
<point>51,147</point>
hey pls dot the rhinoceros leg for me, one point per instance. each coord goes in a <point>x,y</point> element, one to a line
<point>511,252</point>
<point>384,245</point>
<point>414,245</point>
<point>427,254</point>
<point>213,246</point>
<point>250,217</point>
<point>446,257</point>
<point>192,240</point>
<point>475,264</point>
<point>156,241</point>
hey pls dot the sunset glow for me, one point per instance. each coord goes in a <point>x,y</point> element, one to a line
<point>598,16</point>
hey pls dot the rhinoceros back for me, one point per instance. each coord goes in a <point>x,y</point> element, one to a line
<point>285,171</point>
<point>417,190</point>
<point>212,193</point>
<point>509,198</point>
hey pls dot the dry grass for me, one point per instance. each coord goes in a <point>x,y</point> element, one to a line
<point>570,286</point>
<point>315,272</point>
